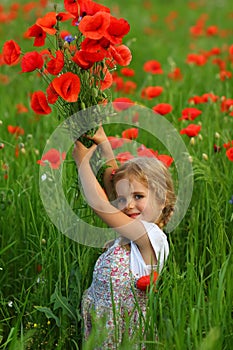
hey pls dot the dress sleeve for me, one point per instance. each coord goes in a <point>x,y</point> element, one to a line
<point>160,245</point>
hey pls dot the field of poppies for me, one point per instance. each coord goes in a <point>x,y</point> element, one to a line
<point>176,60</point>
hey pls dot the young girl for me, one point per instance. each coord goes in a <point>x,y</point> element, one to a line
<point>143,200</point>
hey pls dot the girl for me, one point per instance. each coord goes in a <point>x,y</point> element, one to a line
<point>143,200</point>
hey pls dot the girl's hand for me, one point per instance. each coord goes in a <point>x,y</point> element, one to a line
<point>99,137</point>
<point>81,153</point>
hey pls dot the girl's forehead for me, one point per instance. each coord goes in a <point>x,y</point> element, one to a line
<point>132,185</point>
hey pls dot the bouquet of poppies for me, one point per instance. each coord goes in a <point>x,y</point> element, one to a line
<point>86,47</point>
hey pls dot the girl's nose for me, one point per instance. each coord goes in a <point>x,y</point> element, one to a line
<point>130,203</point>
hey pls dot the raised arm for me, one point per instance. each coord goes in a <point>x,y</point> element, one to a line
<point>101,139</point>
<point>130,228</point>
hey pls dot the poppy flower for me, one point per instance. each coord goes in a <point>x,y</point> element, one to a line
<point>128,72</point>
<point>198,59</point>
<point>85,59</point>
<point>115,142</point>
<point>212,31</point>
<point>55,65</point>
<point>162,108</point>
<point>54,157</point>
<point>143,151</point>
<point>153,67</point>
<point>175,74</point>
<point>94,27</point>
<point>121,54</point>
<point>31,61</point>
<point>67,86</point>
<point>122,103</point>
<point>190,113</point>
<point>191,130</point>
<point>144,282</point>
<point>124,156</point>
<point>52,96</point>
<point>116,30</point>
<point>229,153</point>
<point>165,159</point>
<point>38,33</point>
<point>48,22</point>
<point>11,52</point>
<point>39,103</point>
<point>131,133</point>
<point>15,130</point>
<point>21,108</point>
<point>151,92</point>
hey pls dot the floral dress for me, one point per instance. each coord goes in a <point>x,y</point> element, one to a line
<point>114,297</point>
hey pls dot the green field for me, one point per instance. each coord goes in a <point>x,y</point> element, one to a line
<point>43,273</point>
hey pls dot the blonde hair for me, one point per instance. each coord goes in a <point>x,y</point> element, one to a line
<point>154,175</point>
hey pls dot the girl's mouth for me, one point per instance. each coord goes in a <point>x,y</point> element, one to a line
<point>134,215</point>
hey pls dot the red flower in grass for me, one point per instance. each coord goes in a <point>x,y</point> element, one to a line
<point>124,156</point>
<point>150,92</point>
<point>153,67</point>
<point>143,151</point>
<point>67,86</point>
<point>191,130</point>
<point>94,27</point>
<point>162,108</point>
<point>36,32</point>
<point>198,59</point>
<point>130,134</point>
<point>175,74</point>
<point>86,59</point>
<point>53,157</point>
<point>229,154</point>
<point>15,130</point>
<point>122,103</point>
<point>11,52</point>
<point>31,61</point>
<point>21,108</point>
<point>55,65</point>
<point>115,142</point>
<point>145,282</point>
<point>190,113</point>
<point>48,22</point>
<point>39,103</point>
<point>128,72</point>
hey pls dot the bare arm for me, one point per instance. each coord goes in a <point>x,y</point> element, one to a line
<point>130,228</point>
<point>100,138</point>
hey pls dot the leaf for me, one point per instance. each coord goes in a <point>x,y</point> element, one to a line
<point>63,303</point>
<point>49,314</point>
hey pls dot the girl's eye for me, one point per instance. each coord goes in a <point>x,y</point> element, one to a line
<point>138,196</point>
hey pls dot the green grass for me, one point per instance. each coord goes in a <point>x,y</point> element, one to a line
<point>44,273</point>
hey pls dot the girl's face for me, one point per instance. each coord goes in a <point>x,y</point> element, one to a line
<point>137,201</point>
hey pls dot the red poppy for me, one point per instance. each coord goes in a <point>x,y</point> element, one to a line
<point>144,282</point>
<point>52,96</point>
<point>38,33</point>
<point>121,54</point>
<point>212,30</point>
<point>153,67</point>
<point>11,52</point>
<point>15,130</point>
<point>197,59</point>
<point>226,104</point>
<point>150,92</point>
<point>129,87</point>
<point>106,82</point>
<point>175,74</point>
<point>130,134</point>
<point>162,108</point>
<point>67,86</point>
<point>122,103</point>
<point>191,130</point>
<point>21,108</point>
<point>85,59</point>
<point>94,27</point>
<point>190,113</point>
<point>116,30</point>
<point>143,151</point>
<point>48,22</point>
<point>39,103</point>
<point>124,156</point>
<point>165,159</point>
<point>91,45</point>
<point>224,74</point>
<point>31,61</point>
<point>229,154</point>
<point>115,142</point>
<point>55,65</point>
<point>228,144</point>
<point>128,72</point>
<point>54,157</point>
